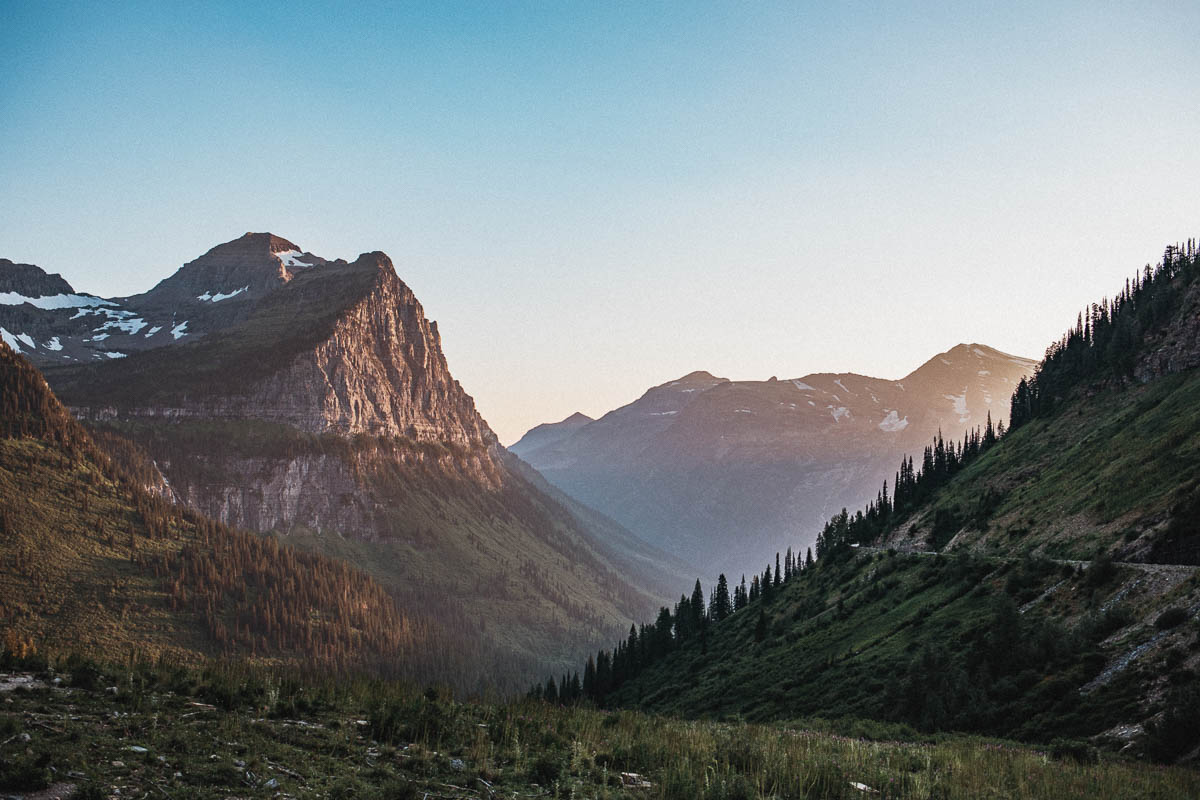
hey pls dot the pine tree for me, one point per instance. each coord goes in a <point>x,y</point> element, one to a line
<point>589,680</point>
<point>722,605</point>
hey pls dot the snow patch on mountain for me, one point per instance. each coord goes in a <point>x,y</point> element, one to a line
<point>54,301</point>
<point>130,326</point>
<point>960,405</point>
<point>53,344</point>
<point>802,386</point>
<point>10,340</point>
<point>839,412</point>
<point>216,297</point>
<point>180,330</point>
<point>290,258</point>
<point>892,422</point>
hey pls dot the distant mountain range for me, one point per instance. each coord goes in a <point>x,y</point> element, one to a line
<point>277,391</point>
<point>725,472</point>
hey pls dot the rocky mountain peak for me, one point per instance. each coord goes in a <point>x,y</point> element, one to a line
<point>28,280</point>
<point>340,348</point>
<point>969,358</point>
<point>250,266</point>
<point>699,376</point>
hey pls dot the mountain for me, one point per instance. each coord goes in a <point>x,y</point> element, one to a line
<point>316,404</point>
<point>1041,585</point>
<point>48,322</point>
<point>551,433</point>
<point>94,563</point>
<point>722,472</point>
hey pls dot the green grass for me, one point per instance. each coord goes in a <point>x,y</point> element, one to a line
<point>228,731</point>
<point>931,643</point>
<point>1097,475</point>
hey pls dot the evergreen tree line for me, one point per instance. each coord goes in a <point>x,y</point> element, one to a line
<point>940,461</point>
<point>1104,343</point>
<point>27,407</point>
<point>693,617</point>
<point>691,620</point>
<point>1109,335</point>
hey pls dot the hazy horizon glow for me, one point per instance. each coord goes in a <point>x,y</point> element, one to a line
<point>595,199</point>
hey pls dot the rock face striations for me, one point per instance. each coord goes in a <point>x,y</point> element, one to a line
<point>727,472</point>
<point>317,404</point>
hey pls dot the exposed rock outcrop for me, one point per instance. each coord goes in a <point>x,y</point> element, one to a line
<point>30,281</point>
<point>1177,347</point>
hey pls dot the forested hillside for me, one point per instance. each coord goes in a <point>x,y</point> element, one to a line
<point>94,562</point>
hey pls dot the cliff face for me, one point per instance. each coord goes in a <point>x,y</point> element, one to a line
<point>381,372</point>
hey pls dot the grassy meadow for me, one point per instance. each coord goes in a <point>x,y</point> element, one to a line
<point>228,731</point>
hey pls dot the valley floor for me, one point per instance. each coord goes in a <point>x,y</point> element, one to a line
<point>143,731</point>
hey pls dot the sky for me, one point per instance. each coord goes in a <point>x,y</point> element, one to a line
<point>592,199</point>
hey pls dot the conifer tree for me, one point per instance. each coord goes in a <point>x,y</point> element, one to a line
<point>722,606</point>
<point>589,680</point>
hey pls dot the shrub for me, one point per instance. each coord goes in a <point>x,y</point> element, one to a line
<point>1171,618</point>
<point>1074,750</point>
<point>25,772</point>
<point>1101,572</point>
<point>546,769</point>
<point>398,789</point>
<point>1178,731</point>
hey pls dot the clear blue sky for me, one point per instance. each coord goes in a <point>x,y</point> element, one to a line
<point>591,199</point>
